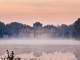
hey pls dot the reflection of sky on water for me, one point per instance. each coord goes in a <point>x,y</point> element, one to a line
<point>39,46</point>
<point>45,56</point>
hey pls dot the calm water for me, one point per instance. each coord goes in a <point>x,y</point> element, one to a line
<point>40,46</point>
<point>38,49</point>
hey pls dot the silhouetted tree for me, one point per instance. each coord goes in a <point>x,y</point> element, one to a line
<point>77,28</point>
<point>14,28</point>
<point>3,27</point>
<point>10,56</point>
<point>1,35</point>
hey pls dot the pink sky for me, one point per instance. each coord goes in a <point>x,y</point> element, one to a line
<point>54,12</point>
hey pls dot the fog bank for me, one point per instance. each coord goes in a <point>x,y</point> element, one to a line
<point>40,41</point>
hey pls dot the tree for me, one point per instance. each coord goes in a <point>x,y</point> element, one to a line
<point>77,28</point>
<point>1,35</point>
<point>10,56</point>
<point>3,27</point>
<point>14,28</point>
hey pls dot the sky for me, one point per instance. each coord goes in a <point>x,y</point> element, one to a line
<point>54,12</point>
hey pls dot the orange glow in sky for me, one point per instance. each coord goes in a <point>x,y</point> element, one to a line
<point>54,12</point>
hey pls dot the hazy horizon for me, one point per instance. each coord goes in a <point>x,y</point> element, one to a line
<point>37,21</point>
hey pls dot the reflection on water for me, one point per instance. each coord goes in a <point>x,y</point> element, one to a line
<point>43,52</point>
<point>44,56</point>
<point>42,49</point>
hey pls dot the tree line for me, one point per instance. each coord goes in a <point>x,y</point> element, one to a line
<point>13,29</point>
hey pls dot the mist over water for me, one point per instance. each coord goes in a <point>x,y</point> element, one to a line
<point>42,47</point>
<point>40,41</point>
